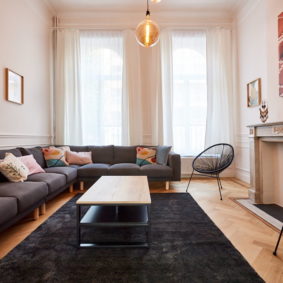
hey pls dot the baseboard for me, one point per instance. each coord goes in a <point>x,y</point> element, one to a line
<point>228,173</point>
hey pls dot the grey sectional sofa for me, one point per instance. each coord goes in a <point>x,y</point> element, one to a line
<point>20,199</point>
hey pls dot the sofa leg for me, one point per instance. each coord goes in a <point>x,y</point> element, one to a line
<point>35,214</point>
<point>81,185</point>
<point>167,185</point>
<point>71,188</point>
<point>42,209</point>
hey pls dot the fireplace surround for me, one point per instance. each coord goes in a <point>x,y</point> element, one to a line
<point>264,140</point>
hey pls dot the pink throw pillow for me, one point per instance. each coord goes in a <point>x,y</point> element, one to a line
<point>31,164</point>
<point>78,158</point>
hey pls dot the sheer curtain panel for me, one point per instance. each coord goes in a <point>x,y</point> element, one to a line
<point>219,127</point>
<point>189,95</point>
<point>166,86</point>
<point>68,125</point>
<point>102,84</point>
<point>132,98</point>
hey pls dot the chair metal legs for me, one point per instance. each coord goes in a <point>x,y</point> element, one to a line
<point>278,241</point>
<point>218,182</point>
<point>219,186</point>
<point>189,181</point>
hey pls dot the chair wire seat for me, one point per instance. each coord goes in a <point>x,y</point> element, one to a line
<point>212,161</point>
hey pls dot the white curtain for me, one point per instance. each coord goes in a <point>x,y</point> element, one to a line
<point>132,98</point>
<point>102,84</point>
<point>166,86</point>
<point>219,127</point>
<point>68,88</point>
<point>183,65</point>
<point>156,102</point>
<point>189,91</point>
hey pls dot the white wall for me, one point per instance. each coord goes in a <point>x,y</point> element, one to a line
<point>257,30</point>
<point>25,49</point>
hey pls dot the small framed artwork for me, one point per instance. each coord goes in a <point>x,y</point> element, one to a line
<point>254,93</point>
<point>14,87</point>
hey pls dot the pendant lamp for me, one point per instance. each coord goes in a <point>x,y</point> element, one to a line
<point>147,31</point>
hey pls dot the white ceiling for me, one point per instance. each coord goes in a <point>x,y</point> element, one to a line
<point>65,6</point>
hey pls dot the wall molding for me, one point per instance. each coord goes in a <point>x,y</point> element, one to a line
<point>18,140</point>
<point>242,146</point>
<point>243,175</point>
<point>23,136</point>
<point>242,140</point>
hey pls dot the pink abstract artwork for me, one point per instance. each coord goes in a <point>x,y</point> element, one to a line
<point>280,46</point>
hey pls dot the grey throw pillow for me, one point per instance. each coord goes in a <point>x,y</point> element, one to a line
<point>162,154</point>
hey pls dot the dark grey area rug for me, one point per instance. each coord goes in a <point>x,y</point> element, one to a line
<point>186,247</point>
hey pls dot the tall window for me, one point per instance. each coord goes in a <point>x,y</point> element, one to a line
<point>189,91</point>
<point>101,83</point>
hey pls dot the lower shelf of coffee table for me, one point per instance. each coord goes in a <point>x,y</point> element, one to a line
<point>115,245</point>
<point>116,216</point>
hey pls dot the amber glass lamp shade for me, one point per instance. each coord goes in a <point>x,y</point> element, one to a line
<point>147,32</point>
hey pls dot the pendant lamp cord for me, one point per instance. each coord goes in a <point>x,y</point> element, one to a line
<point>147,9</point>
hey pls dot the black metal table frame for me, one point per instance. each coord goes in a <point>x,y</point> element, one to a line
<point>117,224</point>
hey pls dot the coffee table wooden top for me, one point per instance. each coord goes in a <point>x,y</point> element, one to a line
<point>117,190</point>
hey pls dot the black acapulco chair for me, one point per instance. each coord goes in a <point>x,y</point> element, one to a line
<point>212,161</point>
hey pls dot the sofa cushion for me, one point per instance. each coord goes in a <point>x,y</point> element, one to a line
<point>69,172</point>
<point>126,169</point>
<point>78,148</point>
<point>75,166</point>
<point>156,170</point>
<point>16,152</point>
<point>93,170</point>
<point>125,154</point>
<point>8,208</point>
<point>102,154</point>
<point>26,193</point>
<point>37,154</point>
<point>53,181</point>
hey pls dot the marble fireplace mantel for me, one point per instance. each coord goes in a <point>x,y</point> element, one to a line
<point>262,139</point>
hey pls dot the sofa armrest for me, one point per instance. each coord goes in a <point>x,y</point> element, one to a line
<point>174,161</point>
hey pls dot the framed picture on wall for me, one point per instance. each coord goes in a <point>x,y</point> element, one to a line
<point>280,48</point>
<point>254,93</point>
<point>14,87</point>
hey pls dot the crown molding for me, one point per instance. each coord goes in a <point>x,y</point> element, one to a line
<point>123,20</point>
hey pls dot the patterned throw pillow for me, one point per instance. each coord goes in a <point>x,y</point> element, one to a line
<point>145,156</point>
<point>13,169</point>
<point>55,156</point>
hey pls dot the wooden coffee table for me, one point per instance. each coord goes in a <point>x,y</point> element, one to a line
<point>115,201</point>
